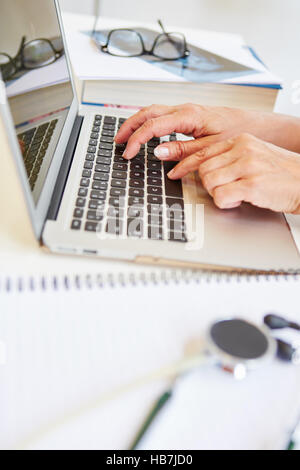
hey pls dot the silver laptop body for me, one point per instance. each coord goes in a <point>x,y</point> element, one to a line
<point>83,199</point>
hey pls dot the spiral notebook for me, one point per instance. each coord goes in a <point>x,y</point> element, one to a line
<point>78,355</point>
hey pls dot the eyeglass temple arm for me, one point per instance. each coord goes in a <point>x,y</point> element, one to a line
<point>168,35</point>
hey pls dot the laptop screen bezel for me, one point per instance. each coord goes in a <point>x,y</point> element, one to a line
<point>38,212</point>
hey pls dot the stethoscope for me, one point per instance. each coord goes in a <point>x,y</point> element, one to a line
<point>234,345</point>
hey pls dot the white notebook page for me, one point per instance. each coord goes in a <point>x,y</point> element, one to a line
<point>70,349</point>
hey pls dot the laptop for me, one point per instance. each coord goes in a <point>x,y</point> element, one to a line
<point>83,198</point>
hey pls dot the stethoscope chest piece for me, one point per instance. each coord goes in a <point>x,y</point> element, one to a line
<point>239,346</point>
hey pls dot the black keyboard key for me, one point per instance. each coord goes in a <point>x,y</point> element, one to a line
<point>80,202</point>
<point>103,160</point>
<point>104,153</point>
<point>110,119</point>
<point>154,173</point>
<point>116,192</point>
<point>177,237</point>
<point>120,159</point>
<point>135,227</point>
<point>136,183</point>
<point>137,166</point>
<point>154,190</point>
<point>155,233</point>
<point>119,174</point>
<point>118,183</point>
<point>154,200</point>
<point>106,139</point>
<point>95,215</point>
<point>95,136</point>
<point>105,146</point>
<point>154,182</point>
<point>85,182</point>
<point>92,227</point>
<point>100,185</point>
<point>109,127</point>
<point>96,129</point>
<point>172,188</point>
<point>117,201</point>
<point>88,165</point>
<point>91,149</point>
<point>175,204</point>
<point>120,166</point>
<point>86,174</point>
<point>95,194</point>
<point>115,212</point>
<point>139,159</point>
<point>102,168</point>
<point>98,176</point>
<point>96,204</point>
<point>136,192</point>
<point>76,224</point>
<point>154,142</point>
<point>135,201</point>
<point>82,192</point>
<point>78,213</point>
<point>93,142</point>
<point>108,133</point>
<point>137,174</point>
<point>98,117</point>
<point>90,157</point>
<point>152,158</point>
<point>154,165</point>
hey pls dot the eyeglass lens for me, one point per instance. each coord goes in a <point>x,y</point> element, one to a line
<point>169,46</point>
<point>125,43</point>
<point>38,53</point>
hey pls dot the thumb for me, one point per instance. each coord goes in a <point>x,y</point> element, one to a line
<point>181,149</point>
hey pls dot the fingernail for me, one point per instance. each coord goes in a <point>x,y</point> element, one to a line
<point>161,152</point>
<point>171,173</point>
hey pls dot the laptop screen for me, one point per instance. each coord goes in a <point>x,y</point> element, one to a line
<point>34,69</point>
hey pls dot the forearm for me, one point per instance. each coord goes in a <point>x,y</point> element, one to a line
<point>283,131</point>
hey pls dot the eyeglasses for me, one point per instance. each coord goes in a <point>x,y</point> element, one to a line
<point>31,55</point>
<point>129,43</point>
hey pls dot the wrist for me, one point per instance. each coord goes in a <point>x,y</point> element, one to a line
<point>284,131</point>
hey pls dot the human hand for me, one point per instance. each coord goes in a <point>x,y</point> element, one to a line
<point>206,124</point>
<point>250,170</point>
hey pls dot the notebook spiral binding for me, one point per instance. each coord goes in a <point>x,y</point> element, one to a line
<point>110,280</point>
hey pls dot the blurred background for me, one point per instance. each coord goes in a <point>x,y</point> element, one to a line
<point>269,26</point>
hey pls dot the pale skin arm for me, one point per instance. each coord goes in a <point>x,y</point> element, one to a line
<point>265,173</point>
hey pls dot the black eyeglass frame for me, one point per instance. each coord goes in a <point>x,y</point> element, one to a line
<point>104,48</point>
<point>18,61</point>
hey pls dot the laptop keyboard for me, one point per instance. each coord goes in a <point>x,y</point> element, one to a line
<point>127,198</point>
<point>35,144</point>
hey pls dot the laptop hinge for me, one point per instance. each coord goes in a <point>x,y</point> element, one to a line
<point>64,170</point>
